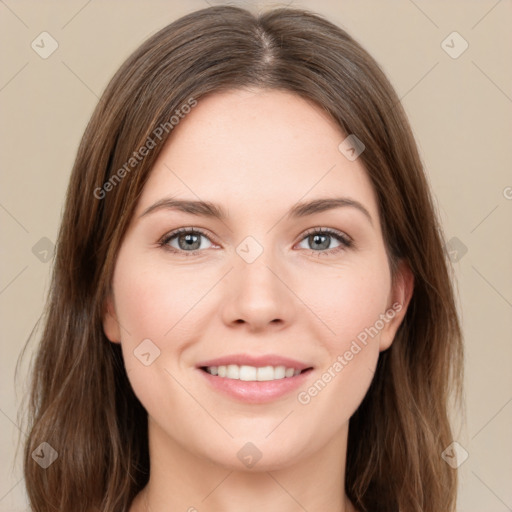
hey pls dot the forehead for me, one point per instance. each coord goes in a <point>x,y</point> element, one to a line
<point>247,148</point>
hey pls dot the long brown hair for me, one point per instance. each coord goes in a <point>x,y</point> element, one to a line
<point>81,402</point>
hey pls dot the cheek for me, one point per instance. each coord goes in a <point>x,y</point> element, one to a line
<point>348,300</point>
<point>350,303</point>
<point>351,356</point>
<point>159,308</point>
<point>152,304</point>
<point>153,299</point>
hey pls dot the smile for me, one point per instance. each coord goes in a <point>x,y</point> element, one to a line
<point>252,373</point>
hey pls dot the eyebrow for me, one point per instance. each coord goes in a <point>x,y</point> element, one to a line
<point>208,209</point>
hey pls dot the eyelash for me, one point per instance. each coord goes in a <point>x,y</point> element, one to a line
<point>345,241</point>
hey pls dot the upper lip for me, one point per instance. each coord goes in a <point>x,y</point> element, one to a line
<point>258,361</point>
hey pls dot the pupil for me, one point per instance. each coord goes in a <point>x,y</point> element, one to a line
<point>317,239</point>
<point>190,240</point>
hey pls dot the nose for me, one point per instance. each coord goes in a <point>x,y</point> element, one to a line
<point>257,295</point>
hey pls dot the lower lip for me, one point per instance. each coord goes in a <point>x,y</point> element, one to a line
<point>256,392</point>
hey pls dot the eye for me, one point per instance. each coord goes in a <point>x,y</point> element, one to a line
<point>321,240</point>
<point>186,240</point>
<point>189,241</point>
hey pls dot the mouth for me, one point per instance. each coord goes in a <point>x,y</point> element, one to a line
<point>249,373</point>
<point>255,379</point>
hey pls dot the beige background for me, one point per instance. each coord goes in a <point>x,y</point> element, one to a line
<point>461,113</point>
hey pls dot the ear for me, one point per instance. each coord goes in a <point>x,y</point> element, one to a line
<point>400,296</point>
<point>110,322</point>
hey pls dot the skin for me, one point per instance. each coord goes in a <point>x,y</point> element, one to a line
<point>256,153</point>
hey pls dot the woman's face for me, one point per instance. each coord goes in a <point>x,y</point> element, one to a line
<point>282,266</point>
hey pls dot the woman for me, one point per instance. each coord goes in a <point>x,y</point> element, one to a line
<point>250,306</point>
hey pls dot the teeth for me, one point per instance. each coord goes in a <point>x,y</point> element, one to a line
<point>248,373</point>
<point>252,373</point>
<point>265,373</point>
<point>233,371</point>
<point>279,372</point>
